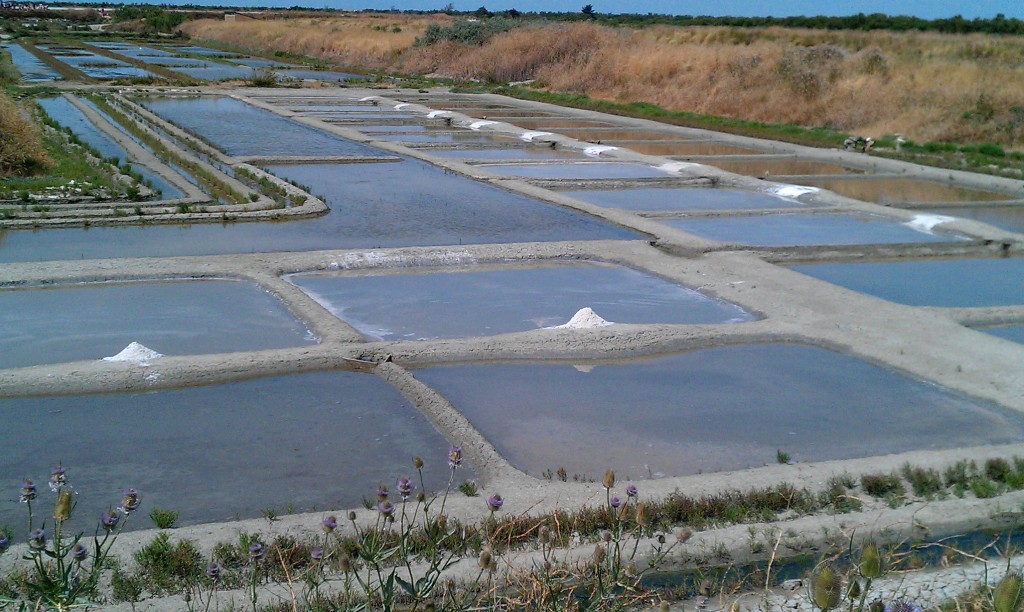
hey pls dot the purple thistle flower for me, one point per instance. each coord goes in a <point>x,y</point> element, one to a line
<point>330,524</point>
<point>631,490</point>
<point>382,493</point>
<point>386,508</point>
<point>213,571</point>
<point>4,542</point>
<point>316,554</point>
<point>130,502</point>
<point>58,477</point>
<point>37,539</point>
<point>615,502</point>
<point>79,552</point>
<point>495,502</point>
<point>28,491</point>
<point>256,552</point>
<point>110,519</point>
<point>404,488</point>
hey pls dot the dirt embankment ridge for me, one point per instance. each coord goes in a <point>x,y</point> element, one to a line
<point>926,86</point>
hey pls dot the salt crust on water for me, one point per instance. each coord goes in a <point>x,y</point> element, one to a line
<point>585,318</point>
<point>135,353</point>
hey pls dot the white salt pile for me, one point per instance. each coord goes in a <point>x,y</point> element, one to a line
<point>793,191</point>
<point>135,353</point>
<point>585,318</point>
<point>926,223</point>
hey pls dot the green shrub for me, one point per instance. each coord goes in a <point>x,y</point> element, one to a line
<point>164,518</point>
<point>168,566</point>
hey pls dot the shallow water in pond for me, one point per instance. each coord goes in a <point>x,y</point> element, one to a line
<point>1009,332</point>
<point>952,283</point>
<point>172,318</point>
<point>365,109</point>
<point>197,50</point>
<point>406,203</point>
<point>99,66</point>
<point>524,152</point>
<point>240,129</point>
<point>1006,217</point>
<point>898,190</point>
<point>799,229</point>
<point>510,299</point>
<point>553,123</point>
<point>685,149</point>
<point>174,62</point>
<point>458,137</point>
<point>768,167</point>
<point>709,410</point>
<point>650,199</point>
<point>66,114</point>
<point>317,441</point>
<point>502,114</point>
<point>255,62</point>
<point>579,170</point>
<point>146,54</point>
<point>605,136</point>
<point>360,119</point>
<point>319,75</point>
<point>31,68</point>
<point>217,72</point>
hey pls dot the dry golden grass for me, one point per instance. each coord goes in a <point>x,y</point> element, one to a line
<point>370,41</point>
<point>927,86</point>
<point>21,147</point>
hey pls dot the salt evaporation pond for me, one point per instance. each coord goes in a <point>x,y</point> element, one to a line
<point>98,66</point>
<point>784,167</point>
<point>526,152</point>
<point>900,190</point>
<point>951,283</point>
<point>320,75</point>
<point>304,442</point>
<point>197,50</point>
<point>684,149</point>
<point>217,72</point>
<point>445,137</point>
<point>172,318</point>
<point>710,410</point>
<point>1007,217</point>
<point>413,305</point>
<point>806,229</point>
<point>68,115</point>
<point>407,203</point>
<point>240,129</point>
<point>1013,333</point>
<point>657,199</point>
<point>578,170</point>
<point>31,68</point>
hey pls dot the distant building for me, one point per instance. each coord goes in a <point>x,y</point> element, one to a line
<point>236,17</point>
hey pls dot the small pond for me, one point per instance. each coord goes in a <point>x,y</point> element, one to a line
<point>172,318</point>
<point>899,190</point>
<point>952,283</point>
<point>807,229</point>
<point>710,410</point>
<point>1007,217</point>
<point>1014,333</point>
<point>779,167</point>
<point>240,129</point>
<point>685,149</point>
<point>578,170</point>
<point>414,306</point>
<point>657,199</point>
<point>31,68</point>
<point>525,152</point>
<point>305,442</point>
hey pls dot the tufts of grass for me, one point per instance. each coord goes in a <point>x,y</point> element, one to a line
<point>925,482</point>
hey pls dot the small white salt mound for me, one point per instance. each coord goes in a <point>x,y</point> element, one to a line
<point>135,353</point>
<point>926,223</point>
<point>586,369</point>
<point>476,125</point>
<point>597,150</point>
<point>529,136</point>
<point>793,191</point>
<point>586,318</point>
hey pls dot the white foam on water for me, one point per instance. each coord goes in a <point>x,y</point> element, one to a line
<point>476,125</point>
<point>436,113</point>
<point>529,136</point>
<point>926,223</point>
<point>135,353</point>
<point>585,318</point>
<point>597,150</point>
<point>792,191</point>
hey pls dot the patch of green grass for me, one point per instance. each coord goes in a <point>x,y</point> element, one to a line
<point>925,482</point>
<point>164,518</point>
<point>166,566</point>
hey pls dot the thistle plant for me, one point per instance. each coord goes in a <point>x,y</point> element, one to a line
<point>67,567</point>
